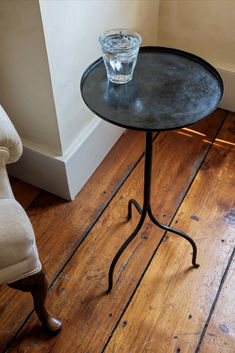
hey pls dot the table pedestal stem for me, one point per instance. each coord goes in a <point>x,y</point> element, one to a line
<point>146,209</point>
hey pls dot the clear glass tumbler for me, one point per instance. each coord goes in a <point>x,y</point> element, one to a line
<point>120,49</point>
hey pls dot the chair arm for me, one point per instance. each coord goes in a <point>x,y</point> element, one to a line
<point>9,138</point>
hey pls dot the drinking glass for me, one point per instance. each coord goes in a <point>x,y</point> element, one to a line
<point>120,49</point>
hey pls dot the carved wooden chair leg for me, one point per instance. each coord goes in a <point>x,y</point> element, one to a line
<point>37,284</point>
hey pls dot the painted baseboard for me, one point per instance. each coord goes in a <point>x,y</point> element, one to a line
<point>228,100</point>
<point>65,176</point>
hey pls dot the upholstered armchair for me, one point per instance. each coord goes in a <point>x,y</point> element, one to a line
<point>20,266</point>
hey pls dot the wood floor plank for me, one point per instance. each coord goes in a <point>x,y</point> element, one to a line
<point>60,225</point>
<point>78,294</point>
<point>220,333</point>
<point>60,228</point>
<point>11,179</point>
<point>24,193</point>
<point>172,303</point>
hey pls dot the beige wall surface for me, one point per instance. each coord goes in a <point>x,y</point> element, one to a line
<point>203,27</point>
<point>45,47</point>
<point>25,86</point>
<point>71,31</point>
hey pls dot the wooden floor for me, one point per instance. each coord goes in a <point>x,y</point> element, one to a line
<point>159,303</point>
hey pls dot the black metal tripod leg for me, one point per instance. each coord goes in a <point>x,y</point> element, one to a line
<point>176,231</point>
<point>122,248</point>
<point>135,203</point>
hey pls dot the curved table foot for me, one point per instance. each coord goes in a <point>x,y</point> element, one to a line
<point>122,248</point>
<point>135,203</point>
<point>176,231</point>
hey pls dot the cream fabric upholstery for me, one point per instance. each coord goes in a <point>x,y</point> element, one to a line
<point>18,252</point>
<point>9,139</point>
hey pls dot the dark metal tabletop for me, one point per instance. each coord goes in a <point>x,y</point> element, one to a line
<point>170,89</point>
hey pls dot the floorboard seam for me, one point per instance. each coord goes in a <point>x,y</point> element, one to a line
<point>203,160</point>
<point>155,251</point>
<point>33,201</point>
<point>96,220</point>
<point>18,331</point>
<point>215,301</point>
<point>132,295</point>
<point>93,224</point>
<point>78,244</point>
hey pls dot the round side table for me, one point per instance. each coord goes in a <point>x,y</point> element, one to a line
<point>170,89</point>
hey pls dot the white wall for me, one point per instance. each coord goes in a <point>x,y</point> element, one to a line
<point>65,141</point>
<point>205,27</point>
<point>71,31</point>
<point>25,86</point>
<point>47,44</point>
